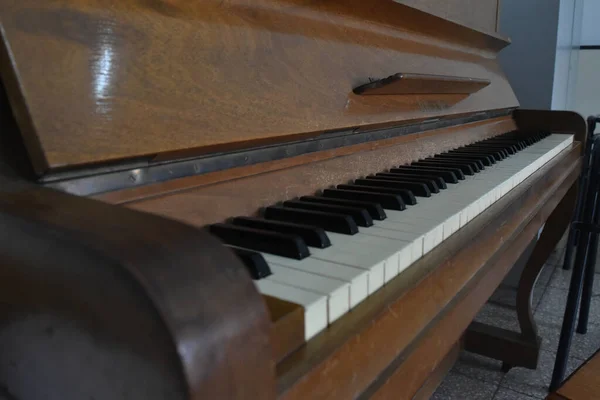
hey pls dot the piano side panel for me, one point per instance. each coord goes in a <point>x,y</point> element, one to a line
<point>198,202</point>
<point>92,81</point>
<point>97,299</point>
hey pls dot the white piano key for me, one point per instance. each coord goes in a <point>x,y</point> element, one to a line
<point>337,292</point>
<point>314,304</point>
<point>366,261</point>
<point>400,232</point>
<point>357,278</point>
<point>401,239</point>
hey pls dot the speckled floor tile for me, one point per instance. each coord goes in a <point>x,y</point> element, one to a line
<point>479,367</point>
<point>504,296</point>
<point>554,301</point>
<point>460,387</point>
<point>561,279</point>
<point>582,346</point>
<point>497,315</point>
<point>507,394</point>
<point>535,382</point>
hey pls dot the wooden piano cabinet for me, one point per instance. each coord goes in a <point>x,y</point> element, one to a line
<point>122,269</point>
<point>99,301</point>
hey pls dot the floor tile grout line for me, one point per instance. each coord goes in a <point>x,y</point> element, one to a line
<point>496,391</point>
<point>476,378</point>
<point>543,293</point>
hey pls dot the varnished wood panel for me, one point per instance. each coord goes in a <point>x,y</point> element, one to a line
<point>477,14</point>
<point>99,80</point>
<point>438,375</point>
<point>304,175</point>
<point>287,326</point>
<point>583,384</point>
<point>387,324</point>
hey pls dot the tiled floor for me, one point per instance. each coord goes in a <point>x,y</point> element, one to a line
<point>479,378</point>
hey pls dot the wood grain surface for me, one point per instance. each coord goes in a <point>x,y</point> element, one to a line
<point>437,376</point>
<point>96,81</point>
<point>287,326</point>
<point>583,384</point>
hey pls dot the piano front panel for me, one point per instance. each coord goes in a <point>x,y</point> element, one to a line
<point>200,200</point>
<point>164,80</point>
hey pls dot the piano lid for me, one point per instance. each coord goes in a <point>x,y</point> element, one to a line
<point>93,81</point>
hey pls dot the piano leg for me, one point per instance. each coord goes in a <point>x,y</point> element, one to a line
<point>522,349</point>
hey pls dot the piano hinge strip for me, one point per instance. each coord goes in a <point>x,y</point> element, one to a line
<point>105,179</point>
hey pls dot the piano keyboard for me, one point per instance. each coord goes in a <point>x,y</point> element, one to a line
<point>328,253</point>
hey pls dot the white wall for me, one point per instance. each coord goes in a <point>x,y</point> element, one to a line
<point>587,100</point>
<point>530,59</point>
<point>587,88</point>
<point>567,54</point>
<point>590,34</point>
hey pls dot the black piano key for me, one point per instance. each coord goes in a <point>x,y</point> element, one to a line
<point>374,209</point>
<point>312,235</point>
<point>496,155</point>
<point>480,162</point>
<point>465,169</point>
<point>254,263</point>
<point>418,189</point>
<point>281,244</point>
<point>439,181</point>
<point>332,222</point>
<point>405,195</point>
<point>483,159</point>
<point>519,144</point>
<point>430,183</point>
<point>389,201</point>
<point>360,215</point>
<point>510,146</point>
<point>500,147</point>
<point>479,149</point>
<point>448,176</point>
<point>475,165</point>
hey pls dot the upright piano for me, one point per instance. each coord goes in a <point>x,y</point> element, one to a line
<point>265,199</point>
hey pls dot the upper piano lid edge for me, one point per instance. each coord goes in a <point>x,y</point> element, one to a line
<point>100,180</point>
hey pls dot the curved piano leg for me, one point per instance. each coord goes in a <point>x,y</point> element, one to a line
<point>99,301</point>
<point>553,231</point>
<point>522,349</point>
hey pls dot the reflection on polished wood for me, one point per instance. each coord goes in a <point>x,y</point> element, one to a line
<point>170,79</point>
